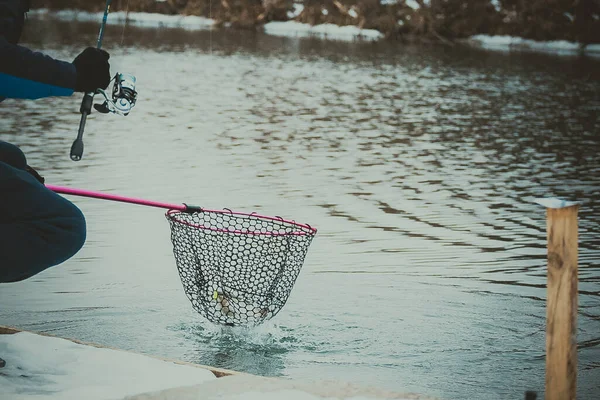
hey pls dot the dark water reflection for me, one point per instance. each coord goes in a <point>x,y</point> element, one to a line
<point>419,166</point>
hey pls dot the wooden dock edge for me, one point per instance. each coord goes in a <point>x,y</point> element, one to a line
<point>218,372</point>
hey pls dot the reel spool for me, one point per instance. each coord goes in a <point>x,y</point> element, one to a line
<point>123,97</point>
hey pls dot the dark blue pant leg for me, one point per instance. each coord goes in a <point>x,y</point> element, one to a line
<point>38,228</point>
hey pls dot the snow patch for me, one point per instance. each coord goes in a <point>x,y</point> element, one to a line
<point>593,49</point>
<point>510,43</point>
<point>329,31</point>
<point>132,18</point>
<point>413,4</point>
<point>50,368</point>
<point>298,8</point>
<point>39,367</point>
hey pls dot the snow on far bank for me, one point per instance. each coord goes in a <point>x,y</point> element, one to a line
<point>325,31</point>
<point>298,8</point>
<point>289,28</point>
<point>329,31</point>
<point>132,18</point>
<point>510,43</point>
<point>42,367</point>
<point>413,4</point>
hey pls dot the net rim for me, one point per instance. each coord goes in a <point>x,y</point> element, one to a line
<point>305,229</point>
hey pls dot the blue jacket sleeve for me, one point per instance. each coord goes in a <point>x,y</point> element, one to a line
<point>24,73</point>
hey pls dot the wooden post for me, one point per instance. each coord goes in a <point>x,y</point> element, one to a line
<point>561,302</point>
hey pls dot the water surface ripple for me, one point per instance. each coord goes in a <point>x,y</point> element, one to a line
<point>418,165</point>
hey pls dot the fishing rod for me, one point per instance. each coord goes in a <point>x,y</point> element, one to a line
<point>121,102</point>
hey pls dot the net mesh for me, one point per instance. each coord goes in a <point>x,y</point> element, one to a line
<point>237,269</point>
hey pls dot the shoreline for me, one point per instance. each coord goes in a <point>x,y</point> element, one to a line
<point>323,31</point>
<point>55,367</point>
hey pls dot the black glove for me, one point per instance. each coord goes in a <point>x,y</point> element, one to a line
<point>93,70</point>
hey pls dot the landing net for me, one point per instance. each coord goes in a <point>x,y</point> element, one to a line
<point>237,268</point>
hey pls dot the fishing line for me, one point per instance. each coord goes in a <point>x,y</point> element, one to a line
<point>126,21</point>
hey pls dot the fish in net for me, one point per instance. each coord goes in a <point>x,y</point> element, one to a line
<point>237,269</point>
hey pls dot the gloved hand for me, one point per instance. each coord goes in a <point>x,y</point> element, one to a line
<point>93,70</point>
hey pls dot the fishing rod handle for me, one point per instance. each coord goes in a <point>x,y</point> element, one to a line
<point>88,99</point>
<point>85,109</point>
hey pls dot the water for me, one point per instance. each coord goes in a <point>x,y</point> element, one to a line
<point>418,165</point>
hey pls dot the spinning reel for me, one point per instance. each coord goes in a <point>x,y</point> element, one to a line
<point>123,98</point>
<point>122,101</point>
